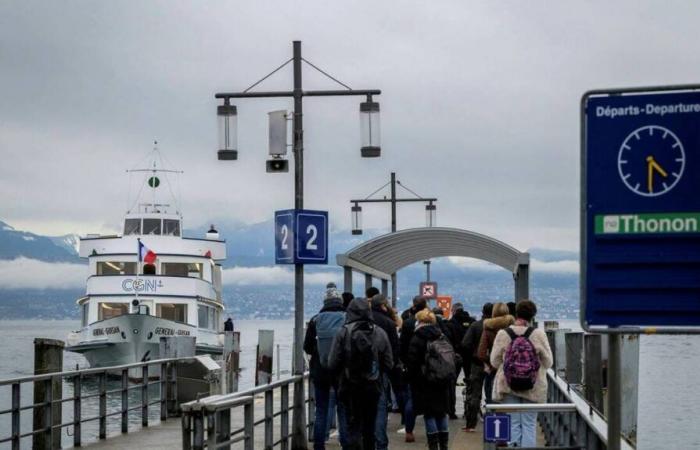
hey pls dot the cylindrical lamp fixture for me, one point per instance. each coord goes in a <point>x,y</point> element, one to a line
<point>356,219</point>
<point>369,128</point>
<point>430,215</point>
<point>227,116</point>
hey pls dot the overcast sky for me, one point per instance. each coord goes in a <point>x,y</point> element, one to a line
<point>479,104</point>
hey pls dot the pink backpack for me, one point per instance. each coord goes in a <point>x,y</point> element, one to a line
<point>520,363</point>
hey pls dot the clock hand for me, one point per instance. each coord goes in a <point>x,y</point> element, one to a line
<point>652,165</point>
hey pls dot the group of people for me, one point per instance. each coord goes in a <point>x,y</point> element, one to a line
<point>366,360</point>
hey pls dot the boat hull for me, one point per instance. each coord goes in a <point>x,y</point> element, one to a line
<point>132,338</point>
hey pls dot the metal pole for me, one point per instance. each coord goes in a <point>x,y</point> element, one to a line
<point>393,230</point>
<point>427,270</point>
<point>298,419</point>
<point>614,392</point>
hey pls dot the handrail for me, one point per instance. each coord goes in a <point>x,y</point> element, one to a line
<point>529,407</point>
<point>90,371</point>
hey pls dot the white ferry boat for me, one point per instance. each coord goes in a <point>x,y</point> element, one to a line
<point>149,282</point>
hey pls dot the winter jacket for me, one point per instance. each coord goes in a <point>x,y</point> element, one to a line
<point>538,394</point>
<point>470,342</point>
<point>431,399</point>
<point>318,373</point>
<point>491,327</point>
<point>358,310</point>
<point>458,324</point>
<point>407,330</point>
<point>386,323</point>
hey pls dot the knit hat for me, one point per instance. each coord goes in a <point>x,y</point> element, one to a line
<point>331,291</point>
<point>438,311</point>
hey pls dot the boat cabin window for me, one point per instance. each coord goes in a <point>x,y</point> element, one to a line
<point>208,317</point>
<point>116,268</point>
<point>149,269</point>
<point>193,270</point>
<point>171,227</point>
<point>151,226</point>
<point>132,226</point>
<point>171,311</point>
<point>84,309</point>
<point>109,310</point>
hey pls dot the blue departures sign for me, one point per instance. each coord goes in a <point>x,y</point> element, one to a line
<point>301,237</point>
<point>640,209</point>
<point>497,428</point>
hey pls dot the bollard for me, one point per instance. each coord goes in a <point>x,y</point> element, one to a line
<point>263,365</point>
<point>574,363</point>
<point>48,357</point>
<point>593,370</point>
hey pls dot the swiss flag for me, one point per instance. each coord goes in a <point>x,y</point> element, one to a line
<point>146,254</point>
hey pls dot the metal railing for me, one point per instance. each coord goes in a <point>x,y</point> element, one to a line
<point>167,399</point>
<point>216,412</point>
<point>567,420</point>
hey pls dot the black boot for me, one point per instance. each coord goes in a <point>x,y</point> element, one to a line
<point>443,439</point>
<point>433,441</point>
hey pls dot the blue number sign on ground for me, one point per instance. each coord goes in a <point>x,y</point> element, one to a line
<point>301,236</point>
<point>640,209</point>
<point>497,428</point>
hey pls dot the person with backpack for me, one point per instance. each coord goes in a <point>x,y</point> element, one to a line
<point>431,368</point>
<point>522,355</point>
<point>359,355</point>
<point>408,328</point>
<point>320,332</point>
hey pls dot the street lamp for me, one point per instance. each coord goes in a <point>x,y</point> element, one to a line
<point>227,151</point>
<point>430,215</point>
<point>369,128</point>
<point>227,116</point>
<point>356,211</point>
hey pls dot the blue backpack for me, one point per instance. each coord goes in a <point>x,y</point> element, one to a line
<point>327,326</point>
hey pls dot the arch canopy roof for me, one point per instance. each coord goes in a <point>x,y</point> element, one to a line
<point>387,254</point>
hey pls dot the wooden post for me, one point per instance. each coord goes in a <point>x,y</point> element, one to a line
<point>232,350</point>
<point>629,355</point>
<point>48,357</point>
<point>263,365</point>
<point>574,363</point>
<point>593,368</point>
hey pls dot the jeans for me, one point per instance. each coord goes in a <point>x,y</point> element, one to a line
<point>382,412</point>
<point>409,418</point>
<point>331,422</point>
<point>435,424</point>
<point>522,425</point>
<point>488,386</point>
<point>322,395</point>
<point>476,382</point>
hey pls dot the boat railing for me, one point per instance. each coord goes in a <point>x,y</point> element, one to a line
<point>567,420</point>
<point>207,423</point>
<point>48,400</point>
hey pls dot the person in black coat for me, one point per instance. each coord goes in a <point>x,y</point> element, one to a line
<point>407,329</point>
<point>429,398</point>
<point>470,348</point>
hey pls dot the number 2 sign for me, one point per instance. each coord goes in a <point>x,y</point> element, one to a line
<point>301,237</point>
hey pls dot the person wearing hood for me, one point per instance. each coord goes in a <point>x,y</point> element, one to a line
<point>500,320</point>
<point>470,350</point>
<point>360,355</point>
<point>320,333</point>
<point>432,399</point>
<point>381,315</point>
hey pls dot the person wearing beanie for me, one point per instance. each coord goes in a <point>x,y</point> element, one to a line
<point>320,333</point>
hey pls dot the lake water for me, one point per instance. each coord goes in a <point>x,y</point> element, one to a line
<point>669,402</point>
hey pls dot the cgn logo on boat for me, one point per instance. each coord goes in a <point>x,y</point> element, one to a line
<point>141,285</point>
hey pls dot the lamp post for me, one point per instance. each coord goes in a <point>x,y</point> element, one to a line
<point>356,210</point>
<point>371,142</point>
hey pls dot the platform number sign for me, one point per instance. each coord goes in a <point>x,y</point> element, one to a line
<point>497,428</point>
<point>301,237</point>
<point>640,209</point>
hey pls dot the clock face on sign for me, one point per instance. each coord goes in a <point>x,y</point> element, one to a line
<point>651,161</point>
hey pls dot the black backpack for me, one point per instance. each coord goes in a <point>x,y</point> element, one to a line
<point>439,363</point>
<point>362,360</point>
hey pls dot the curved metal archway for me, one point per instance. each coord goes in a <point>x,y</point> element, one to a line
<point>383,256</point>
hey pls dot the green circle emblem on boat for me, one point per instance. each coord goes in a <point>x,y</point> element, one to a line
<point>154,182</point>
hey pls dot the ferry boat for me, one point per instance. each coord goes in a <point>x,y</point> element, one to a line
<point>149,282</point>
